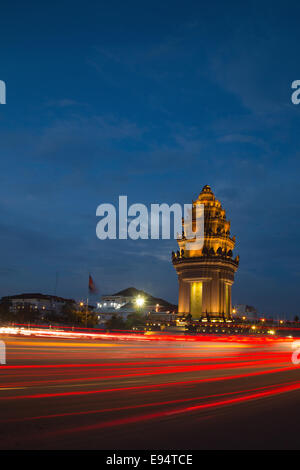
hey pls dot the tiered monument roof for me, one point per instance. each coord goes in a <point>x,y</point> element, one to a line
<point>217,238</point>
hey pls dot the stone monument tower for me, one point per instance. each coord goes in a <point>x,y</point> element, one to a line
<point>206,275</point>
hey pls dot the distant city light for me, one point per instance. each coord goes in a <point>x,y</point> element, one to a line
<point>140,301</point>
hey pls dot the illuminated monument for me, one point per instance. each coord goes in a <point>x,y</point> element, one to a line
<point>206,275</point>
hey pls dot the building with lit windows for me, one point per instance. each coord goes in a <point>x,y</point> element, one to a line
<point>244,311</point>
<point>43,303</point>
<point>206,274</point>
<point>131,300</point>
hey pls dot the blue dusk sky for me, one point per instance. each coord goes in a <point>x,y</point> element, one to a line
<point>152,100</point>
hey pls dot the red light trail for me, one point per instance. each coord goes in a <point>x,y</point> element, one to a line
<point>79,386</point>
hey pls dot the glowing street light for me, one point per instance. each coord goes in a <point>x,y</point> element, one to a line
<point>140,301</point>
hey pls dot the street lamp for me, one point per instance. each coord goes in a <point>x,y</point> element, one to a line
<point>139,301</point>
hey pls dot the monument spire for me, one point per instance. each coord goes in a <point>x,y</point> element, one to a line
<point>206,275</point>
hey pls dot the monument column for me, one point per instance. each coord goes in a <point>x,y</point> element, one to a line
<point>206,274</point>
<point>184,297</point>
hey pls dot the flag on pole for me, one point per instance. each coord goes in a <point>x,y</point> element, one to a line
<point>92,286</point>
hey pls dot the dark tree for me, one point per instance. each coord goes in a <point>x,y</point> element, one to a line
<point>5,313</point>
<point>69,314</point>
<point>86,318</point>
<point>134,320</point>
<point>115,323</point>
<point>189,317</point>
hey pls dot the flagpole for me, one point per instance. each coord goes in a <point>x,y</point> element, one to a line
<point>91,290</point>
<point>87,301</point>
<point>86,312</point>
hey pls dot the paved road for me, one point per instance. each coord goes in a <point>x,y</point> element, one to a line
<point>143,394</point>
